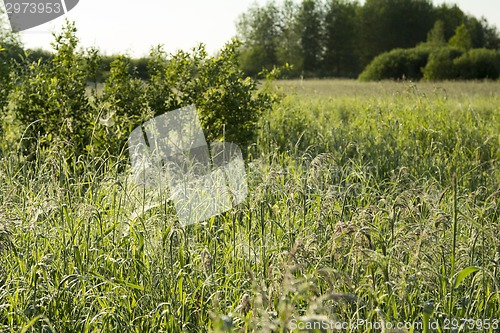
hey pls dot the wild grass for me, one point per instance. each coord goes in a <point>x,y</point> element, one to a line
<point>362,206</point>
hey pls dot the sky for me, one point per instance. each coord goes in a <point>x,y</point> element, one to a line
<point>133,27</point>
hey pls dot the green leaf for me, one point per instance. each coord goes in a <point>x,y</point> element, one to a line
<point>460,276</point>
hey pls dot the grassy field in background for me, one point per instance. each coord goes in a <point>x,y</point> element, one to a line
<point>353,88</point>
<point>374,202</point>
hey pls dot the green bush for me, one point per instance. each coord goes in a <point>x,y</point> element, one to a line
<point>440,65</point>
<point>50,101</point>
<point>10,50</point>
<point>228,102</point>
<point>122,106</point>
<point>478,64</point>
<point>397,64</point>
<point>54,109</point>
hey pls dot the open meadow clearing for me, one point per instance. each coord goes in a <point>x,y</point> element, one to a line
<point>368,204</point>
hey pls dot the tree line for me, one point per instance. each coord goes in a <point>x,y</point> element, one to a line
<point>339,38</point>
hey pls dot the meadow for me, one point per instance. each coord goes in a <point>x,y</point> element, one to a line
<point>369,204</point>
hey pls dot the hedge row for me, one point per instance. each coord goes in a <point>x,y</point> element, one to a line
<point>397,64</point>
<point>51,105</point>
<point>443,63</point>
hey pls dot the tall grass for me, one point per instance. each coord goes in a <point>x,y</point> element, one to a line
<point>375,208</point>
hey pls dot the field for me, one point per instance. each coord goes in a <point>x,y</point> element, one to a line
<point>370,204</point>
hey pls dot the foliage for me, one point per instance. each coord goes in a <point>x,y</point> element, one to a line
<point>38,55</point>
<point>397,64</point>
<point>390,24</point>
<point>451,16</point>
<point>50,100</point>
<point>435,37</point>
<point>288,52</point>
<point>462,38</point>
<point>122,107</point>
<point>483,35</point>
<point>434,62</point>
<point>440,65</point>
<point>478,64</point>
<point>10,50</point>
<point>259,28</point>
<point>228,102</point>
<point>339,38</point>
<point>51,103</point>
<point>309,19</point>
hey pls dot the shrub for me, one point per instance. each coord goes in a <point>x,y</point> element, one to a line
<point>228,102</point>
<point>10,50</point>
<point>396,64</point>
<point>122,106</point>
<point>52,105</point>
<point>50,100</point>
<point>440,65</point>
<point>478,64</point>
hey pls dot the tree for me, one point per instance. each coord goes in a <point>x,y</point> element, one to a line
<point>341,39</point>
<point>482,34</point>
<point>491,35</point>
<point>389,24</point>
<point>122,106</point>
<point>435,36</point>
<point>288,51</point>
<point>310,22</point>
<point>259,31</point>
<point>440,64</point>
<point>228,102</point>
<point>451,16</point>
<point>462,38</point>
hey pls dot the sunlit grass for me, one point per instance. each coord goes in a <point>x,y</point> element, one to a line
<point>366,201</point>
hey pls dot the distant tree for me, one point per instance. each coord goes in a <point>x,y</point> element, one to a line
<point>478,64</point>
<point>482,34</point>
<point>491,35</point>
<point>462,38</point>
<point>451,16</point>
<point>310,21</point>
<point>396,64</point>
<point>259,30</point>
<point>341,39</point>
<point>436,34</point>
<point>389,24</point>
<point>289,50</point>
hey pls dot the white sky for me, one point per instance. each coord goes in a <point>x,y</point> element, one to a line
<point>133,27</point>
